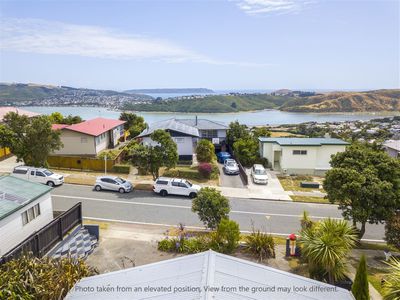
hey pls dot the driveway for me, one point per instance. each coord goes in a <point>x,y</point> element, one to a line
<point>230,181</point>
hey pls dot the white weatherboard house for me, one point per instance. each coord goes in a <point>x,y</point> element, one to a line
<point>186,133</point>
<point>188,277</point>
<point>310,156</point>
<point>392,147</point>
<point>25,207</point>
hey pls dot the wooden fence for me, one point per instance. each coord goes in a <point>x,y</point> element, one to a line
<point>4,153</point>
<point>242,170</point>
<point>40,242</point>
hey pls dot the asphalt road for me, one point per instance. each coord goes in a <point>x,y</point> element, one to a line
<point>145,207</point>
<point>229,180</point>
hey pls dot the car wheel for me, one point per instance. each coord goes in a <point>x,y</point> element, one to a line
<point>50,183</point>
<point>97,188</point>
<point>163,193</point>
<point>192,195</point>
<point>121,190</point>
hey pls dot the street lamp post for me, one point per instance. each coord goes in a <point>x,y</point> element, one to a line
<point>105,164</point>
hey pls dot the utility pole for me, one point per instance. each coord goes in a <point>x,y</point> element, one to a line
<point>105,164</point>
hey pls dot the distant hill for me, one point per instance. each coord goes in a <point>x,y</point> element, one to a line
<point>212,104</point>
<point>379,100</point>
<point>171,91</point>
<point>36,94</point>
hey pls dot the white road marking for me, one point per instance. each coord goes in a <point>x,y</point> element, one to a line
<point>184,207</point>
<point>196,227</point>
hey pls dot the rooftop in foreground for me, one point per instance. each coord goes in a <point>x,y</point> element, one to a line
<point>16,193</point>
<point>303,141</point>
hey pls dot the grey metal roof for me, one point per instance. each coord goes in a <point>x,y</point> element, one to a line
<point>170,124</point>
<point>204,124</point>
<point>15,193</point>
<point>394,144</point>
<point>200,270</point>
<point>303,141</point>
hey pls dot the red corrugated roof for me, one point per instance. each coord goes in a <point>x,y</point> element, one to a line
<point>96,126</point>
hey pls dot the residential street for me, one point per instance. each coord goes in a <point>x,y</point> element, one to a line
<point>148,208</point>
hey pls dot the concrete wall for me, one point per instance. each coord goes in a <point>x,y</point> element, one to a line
<point>76,143</point>
<point>12,232</point>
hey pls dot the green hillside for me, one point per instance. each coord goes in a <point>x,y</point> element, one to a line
<point>212,104</point>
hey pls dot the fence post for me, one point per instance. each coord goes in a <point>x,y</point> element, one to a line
<point>60,228</point>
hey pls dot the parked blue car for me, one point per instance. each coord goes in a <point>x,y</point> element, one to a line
<point>222,156</point>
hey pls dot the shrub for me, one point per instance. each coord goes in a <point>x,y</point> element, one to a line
<point>124,169</point>
<point>261,245</point>
<point>391,286</point>
<point>211,207</point>
<point>29,277</point>
<point>360,287</point>
<point>205,169</point>
<point>183,173</point>
<point>111,154</point>
<point>226,238</point>
<point>205,151</point>
<point>392,231</point>
<point>167,245</point>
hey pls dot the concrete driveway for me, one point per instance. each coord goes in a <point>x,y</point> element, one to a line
<point>230,181</point>
<point>7,165</point>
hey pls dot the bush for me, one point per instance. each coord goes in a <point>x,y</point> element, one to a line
<point>123,169</point>
<point>211,207</point>
<point>226,238</point>
<point>261,245</point>
<point>29,277</point>
<point>205,151</point>
<point>392,231</point>
<point>183,173</point>
<point>360,287</point>
<point>111,154</point>
<point>205,169</point>
<point>167,245</point>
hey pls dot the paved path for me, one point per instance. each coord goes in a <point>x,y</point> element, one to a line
<point>143,207</point>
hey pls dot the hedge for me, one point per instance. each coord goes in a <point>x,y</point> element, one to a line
<point>183,173</point>
<point>124,169</point>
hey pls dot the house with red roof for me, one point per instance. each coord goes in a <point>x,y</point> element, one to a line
<point>90,137</point>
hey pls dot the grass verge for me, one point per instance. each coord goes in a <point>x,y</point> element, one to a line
<point>310,199</point>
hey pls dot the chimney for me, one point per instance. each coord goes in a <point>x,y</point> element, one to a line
<point>196,121</point>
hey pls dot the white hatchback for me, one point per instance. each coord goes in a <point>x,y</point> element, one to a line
<point>259,174</point>
<point>175,186</point>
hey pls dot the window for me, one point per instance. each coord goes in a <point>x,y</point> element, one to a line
<point>30,214</point>
<point>164,182</point>
<point>20,171</point>
<point>83,139</point>
<point>212,133</point>
<point>40,174</point>
<point>174,183</point>
<point>179,140</point>
<point>299,152</point>
<point>181,184</point>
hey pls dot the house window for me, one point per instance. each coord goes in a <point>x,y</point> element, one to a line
<point>83,139</point>
<point>212,133</point>
<point>299,152</point>
<point>179,140</point>
<point>30,214</point>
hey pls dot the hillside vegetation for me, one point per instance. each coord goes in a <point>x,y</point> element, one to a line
<point>213,104</point>
<point>380,100</point>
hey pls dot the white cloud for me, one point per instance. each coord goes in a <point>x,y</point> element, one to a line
<point>45,37</point>
<point>256,7</point>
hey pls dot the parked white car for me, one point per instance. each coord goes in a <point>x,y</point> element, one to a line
<point>259,174</point>
<point>40,175</point>
<point>175,186</point>
<point>113,183</point>
<point>231,167</point>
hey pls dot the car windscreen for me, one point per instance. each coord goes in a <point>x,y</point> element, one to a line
<point>48,173</point>
<point>231,164</point>
<point>260,171</point>
<point>120,180</point>
<point>188,183</point>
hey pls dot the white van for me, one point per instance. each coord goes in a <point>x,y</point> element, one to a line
<point>39,175</point>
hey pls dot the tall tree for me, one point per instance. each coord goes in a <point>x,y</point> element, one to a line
<point>247,151</point>
<point>151,158</point>
<point>31,140</point>
<point>205,151</point>
<point>260,132</point>
<point>325,246</point>
<point>237,131</point>
<point>134,124</point>
<point>360,288</point>
<point>365,182</point>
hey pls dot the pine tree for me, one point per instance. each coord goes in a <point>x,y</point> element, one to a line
<point>360,288</point>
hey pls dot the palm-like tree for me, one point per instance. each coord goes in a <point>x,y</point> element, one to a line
<point>391,287</point>
<point>325,246</point>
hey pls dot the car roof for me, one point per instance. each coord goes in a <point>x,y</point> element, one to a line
<point>109,177</point>
<point>224,154</point>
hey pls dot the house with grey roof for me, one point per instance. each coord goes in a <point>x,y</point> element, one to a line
<point>206,275</point>
<point>392,147</point>
<point>187,132</point>
<point>25,207</point>
<point>308,156</point>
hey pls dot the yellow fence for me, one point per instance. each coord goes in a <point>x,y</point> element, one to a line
<point>80,163</point>
<point>4,153</point>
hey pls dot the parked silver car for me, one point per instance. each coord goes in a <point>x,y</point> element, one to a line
<point>231,167</point>
<point>113,183</point>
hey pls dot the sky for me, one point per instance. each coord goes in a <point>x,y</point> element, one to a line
<point>232,44</point>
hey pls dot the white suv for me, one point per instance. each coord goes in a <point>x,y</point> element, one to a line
<point>175,186</point>
<point>259,174</point>
<point>39,175</point>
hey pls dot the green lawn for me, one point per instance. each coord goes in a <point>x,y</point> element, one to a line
<point>310,199</point>
<point>292,183</point>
